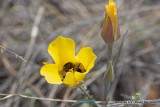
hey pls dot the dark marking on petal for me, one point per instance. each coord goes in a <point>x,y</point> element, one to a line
<point>68,66</point>
<point>79,70</point>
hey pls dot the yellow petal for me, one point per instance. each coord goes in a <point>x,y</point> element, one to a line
<point>62,51</point>
<point>83,46</point>
<point>86,57</point>
<point>80,76</point>
<point>112,13</point>
<point>69,79</point>
<point>50,72</point>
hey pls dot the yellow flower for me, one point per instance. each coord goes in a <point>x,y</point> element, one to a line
<point>68,68</point>
<point>110,31</point>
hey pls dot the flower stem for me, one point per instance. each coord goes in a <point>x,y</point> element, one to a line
<point>110,46</point>
<point>107,85</point>
<point>86,93</point>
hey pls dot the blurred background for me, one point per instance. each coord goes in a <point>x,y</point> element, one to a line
<point>24,48</point>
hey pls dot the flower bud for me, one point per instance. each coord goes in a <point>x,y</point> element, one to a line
<point>110,31</point>
<point>109,75</point>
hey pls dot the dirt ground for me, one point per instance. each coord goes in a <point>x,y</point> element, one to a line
<point>23,50</point>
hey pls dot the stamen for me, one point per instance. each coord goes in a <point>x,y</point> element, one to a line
<point>68,66</point>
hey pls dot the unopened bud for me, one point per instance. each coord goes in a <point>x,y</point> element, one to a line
<point>110,31</point>
<point>109,75</point>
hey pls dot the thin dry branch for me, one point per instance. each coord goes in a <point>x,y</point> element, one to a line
<point>110,103</point>
<point>15,54</point>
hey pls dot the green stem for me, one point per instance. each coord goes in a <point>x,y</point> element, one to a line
<point>110,46</point>
<point>86,93</point>
<point>109,56</point>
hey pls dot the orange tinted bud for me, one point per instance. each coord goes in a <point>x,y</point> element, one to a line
<point>110,31</point>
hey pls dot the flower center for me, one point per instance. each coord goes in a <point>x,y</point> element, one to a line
<point>70,67</point>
